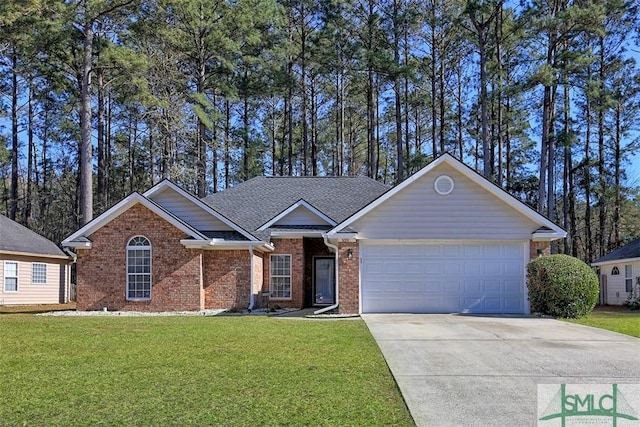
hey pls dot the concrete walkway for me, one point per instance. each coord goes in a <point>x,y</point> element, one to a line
<point>457,370</point>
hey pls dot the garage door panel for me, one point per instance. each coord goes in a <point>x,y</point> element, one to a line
<point>492,304</point>
<point>413,268</point>
<point>453,250</point>
<point>514,304</point>
<point>414,287</point>
<point>469,277</point>
<point>432,268</point>
<point>493,286</point>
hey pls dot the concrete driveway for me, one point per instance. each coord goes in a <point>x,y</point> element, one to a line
<point>458,370</point>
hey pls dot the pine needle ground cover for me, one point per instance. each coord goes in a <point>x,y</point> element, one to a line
<point>193,371</point>
<point>618,320</point>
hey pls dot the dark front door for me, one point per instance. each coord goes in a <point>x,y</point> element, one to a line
<point>324,281</point>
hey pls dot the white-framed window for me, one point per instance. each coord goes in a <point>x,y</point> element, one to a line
<point>280,276</point>
<point>628,278</point>
<point>139,269</point>
<point>38,273</point>
<point>10,276</point>
<point>615,271</point>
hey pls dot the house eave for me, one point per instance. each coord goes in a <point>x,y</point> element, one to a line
<point>296,234</point>
<point>77,245</point>
<point>34,255</point>
<point>548,236</point>
<point>225,245</point>
<point>615,261</point>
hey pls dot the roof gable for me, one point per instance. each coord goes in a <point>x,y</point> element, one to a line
<point>16,238</point>
<point>446,161</point>
<point>79,238</point>
<point>192,210</point>
<point>300,213</point>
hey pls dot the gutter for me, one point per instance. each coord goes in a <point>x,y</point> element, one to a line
<point>334,306</point>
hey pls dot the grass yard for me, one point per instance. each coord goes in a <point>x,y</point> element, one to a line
<point>619,320</point>
<point>69,371</point>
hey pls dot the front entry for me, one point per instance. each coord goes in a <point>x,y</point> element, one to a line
<point>324,280</point>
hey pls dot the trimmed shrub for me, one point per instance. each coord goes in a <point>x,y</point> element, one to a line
<point>562,286</point>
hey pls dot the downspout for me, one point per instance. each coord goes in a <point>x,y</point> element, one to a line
<point>252,299</point>
<point>334,306</point>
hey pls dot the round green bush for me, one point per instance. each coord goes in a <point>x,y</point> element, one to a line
<point>562,286</point>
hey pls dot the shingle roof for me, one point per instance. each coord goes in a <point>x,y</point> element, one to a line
<point>254,202</point>
<point>631,250</point>
<point>17,238</point>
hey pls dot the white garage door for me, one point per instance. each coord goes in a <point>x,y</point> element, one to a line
<point>443,278</point>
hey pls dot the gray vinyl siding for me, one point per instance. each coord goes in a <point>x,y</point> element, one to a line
<point>301,216</point>
<point>469,212</point>
<point>189,212</point>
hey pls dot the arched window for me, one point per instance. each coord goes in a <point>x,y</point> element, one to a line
<point>615,271</point>
<point>139,269</point>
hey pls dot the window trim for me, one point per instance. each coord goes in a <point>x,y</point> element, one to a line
<point>628,278</point>
<point>615,271</point>
<point>129,248</point>
<point>33,277</point>
<point>272,276</point>
<point>5,276</point>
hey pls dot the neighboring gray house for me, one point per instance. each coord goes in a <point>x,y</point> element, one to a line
<point>34,269</point>
<point>445,240</point>
<point>618,271</point>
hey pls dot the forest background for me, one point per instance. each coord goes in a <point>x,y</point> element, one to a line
<point>100,98</point>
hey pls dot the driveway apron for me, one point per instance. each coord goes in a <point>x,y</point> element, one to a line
<point>459,370</point>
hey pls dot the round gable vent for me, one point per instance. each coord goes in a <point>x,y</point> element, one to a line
<point>443,185</point>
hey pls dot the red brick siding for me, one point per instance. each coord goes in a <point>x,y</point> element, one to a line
<point>349,277</point>
<point>227,279</point>
<point>176,271</point>
<point>544,246</point>
<point>295,248</point>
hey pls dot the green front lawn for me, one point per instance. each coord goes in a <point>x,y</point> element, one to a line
<point>613,319</point>
<point>180,371</point>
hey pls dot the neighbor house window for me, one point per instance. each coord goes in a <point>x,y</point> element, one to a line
<point>139,269</point>
<point>280,270</point>
<point>38,273</point>
<point>615,271</point>
<point>11,277</point>
<point>628,278</point>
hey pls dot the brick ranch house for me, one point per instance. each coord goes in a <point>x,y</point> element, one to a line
<point>444,240</point>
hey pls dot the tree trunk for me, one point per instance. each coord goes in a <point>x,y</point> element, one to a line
<point>13,204</point>
<point>102,154</point>
<point>602,198</point>
<point>85,195</point>
<point>30,157</point>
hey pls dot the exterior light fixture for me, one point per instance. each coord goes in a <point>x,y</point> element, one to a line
<point>349,253</point>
